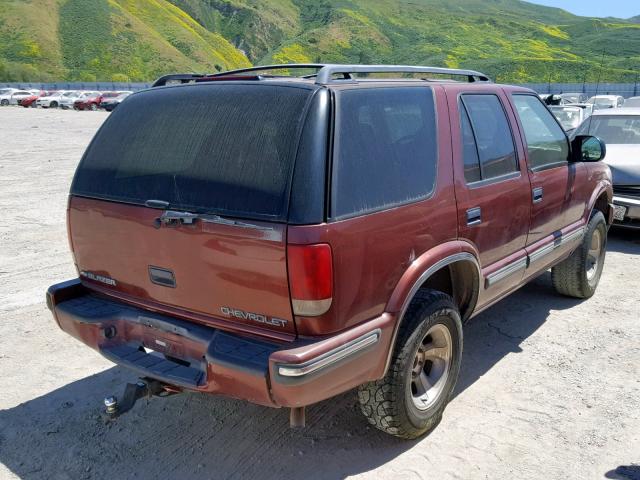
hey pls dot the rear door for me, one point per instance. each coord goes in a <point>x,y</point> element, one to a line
<point>219,160</point>
<point>491,187</point>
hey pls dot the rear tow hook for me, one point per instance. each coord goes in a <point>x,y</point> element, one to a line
<point>143,388</point>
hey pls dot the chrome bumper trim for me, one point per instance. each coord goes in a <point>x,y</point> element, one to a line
<point>332,356</point>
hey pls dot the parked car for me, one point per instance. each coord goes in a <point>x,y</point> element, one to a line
<point>606,101</point>
<point>109,104</point>
<point>31,101</point>
<point>620,130</point>
<point>13,97</point>
<point>54,99</point>
<point>6,91</point>
<point>569,116</point>
<point>569,98</point>
<point>69,101</point>
<point>632,102</point>
<point>225,245</point>
<point>88,101</point>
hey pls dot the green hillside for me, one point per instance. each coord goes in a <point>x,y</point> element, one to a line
<point>511,40</point>
<point>119,40</point>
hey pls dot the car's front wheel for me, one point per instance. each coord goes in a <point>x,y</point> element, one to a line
<point>578,276</point>
<point>4,102</point>
<point>53,104</point>
<point>93,107</point>
<point>408,402</point>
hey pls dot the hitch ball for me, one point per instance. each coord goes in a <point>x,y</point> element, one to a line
<point>112,405</point>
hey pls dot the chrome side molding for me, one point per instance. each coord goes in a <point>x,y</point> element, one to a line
<point>505,271</point>
<point>563,240</point>
<point>536,255</point>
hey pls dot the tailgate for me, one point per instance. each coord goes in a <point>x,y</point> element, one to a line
<point>220,271</point>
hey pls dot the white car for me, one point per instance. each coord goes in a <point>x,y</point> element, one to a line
<point>606,101</point>
<point>7,91</point>
<point>53,100</point>
<point>14,97</point>
<point>570,116</point>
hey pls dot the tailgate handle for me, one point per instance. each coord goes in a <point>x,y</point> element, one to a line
<point>162,276</point>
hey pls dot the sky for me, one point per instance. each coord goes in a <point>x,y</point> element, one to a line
<point>596,8</point>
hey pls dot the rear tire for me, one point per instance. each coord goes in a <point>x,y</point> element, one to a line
<point>578,275</point>
<point>4,102</point>
<point>93,107</point>
<point>408,402</point>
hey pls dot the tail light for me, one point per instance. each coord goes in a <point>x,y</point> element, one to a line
<point>311,278</point>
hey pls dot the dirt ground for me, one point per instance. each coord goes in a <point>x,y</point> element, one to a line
<point>549,389</point>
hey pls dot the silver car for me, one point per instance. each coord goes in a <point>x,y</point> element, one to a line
<point>619,128</point>
<point>633,102</point>
<point>14,97</point>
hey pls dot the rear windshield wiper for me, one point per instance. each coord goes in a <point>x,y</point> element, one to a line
<point>173,217</point>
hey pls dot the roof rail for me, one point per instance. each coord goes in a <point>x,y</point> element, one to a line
<point>325,75</point>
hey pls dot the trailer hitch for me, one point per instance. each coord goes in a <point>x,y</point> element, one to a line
<point>143,388</point>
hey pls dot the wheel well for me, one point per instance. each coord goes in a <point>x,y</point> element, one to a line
<point>460,280</point>
<point>602,204</point>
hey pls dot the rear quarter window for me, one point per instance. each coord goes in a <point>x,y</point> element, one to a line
<point>385,151</point>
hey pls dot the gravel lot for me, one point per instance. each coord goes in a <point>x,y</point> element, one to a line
<point>550,386</point>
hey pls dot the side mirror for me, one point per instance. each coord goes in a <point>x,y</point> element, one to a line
<point>586,148</point>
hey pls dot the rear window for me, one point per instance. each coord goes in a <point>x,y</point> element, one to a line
<point>224,149</point>
<point>385,149</point>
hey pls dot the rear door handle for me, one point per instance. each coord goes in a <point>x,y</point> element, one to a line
<point>537,194</point>
<point>474,216</point>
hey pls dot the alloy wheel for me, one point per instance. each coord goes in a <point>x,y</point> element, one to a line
<point>431,366</point>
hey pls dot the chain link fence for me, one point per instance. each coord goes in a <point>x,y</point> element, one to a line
<point>100,86</point>
<point>625,89</point>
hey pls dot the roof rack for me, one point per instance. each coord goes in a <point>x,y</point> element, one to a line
<point>325,72</point>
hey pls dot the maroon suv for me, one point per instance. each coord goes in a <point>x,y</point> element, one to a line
<point>283,239</point>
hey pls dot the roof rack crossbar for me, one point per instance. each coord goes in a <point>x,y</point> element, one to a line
<point>264,68</point>
<point>325,75</point>
<point>178,77</point>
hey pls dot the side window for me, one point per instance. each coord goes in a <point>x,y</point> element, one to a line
<point>385,150</point>
<point>469,149</point>
<point>488,150</point>
<point>546,141</point>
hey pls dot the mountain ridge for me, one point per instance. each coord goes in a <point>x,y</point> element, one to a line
<point>138,40</point>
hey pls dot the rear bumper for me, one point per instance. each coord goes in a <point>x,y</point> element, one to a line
<point>205,359</point>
